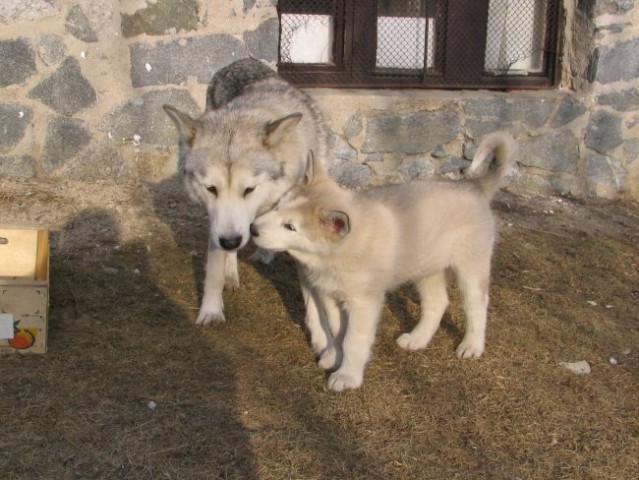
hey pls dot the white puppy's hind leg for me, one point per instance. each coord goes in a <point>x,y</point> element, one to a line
<point>474,289</point>
<point>231,275</point>
<point>212,307</point>
<point>434,301</point>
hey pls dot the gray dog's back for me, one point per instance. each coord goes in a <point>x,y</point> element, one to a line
<point>248,84</point>
<point>232,80</point>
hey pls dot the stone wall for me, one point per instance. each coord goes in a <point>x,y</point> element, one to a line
<point>82,84</point>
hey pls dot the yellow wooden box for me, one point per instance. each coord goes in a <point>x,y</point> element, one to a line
<point>24,290</point>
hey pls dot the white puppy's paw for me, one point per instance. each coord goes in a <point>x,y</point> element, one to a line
<point>340,381</point>
<point>328,359</point>
<point>206,318</point>
<point>470,348</point>
<point>408,341</point>
<point>263,256</point>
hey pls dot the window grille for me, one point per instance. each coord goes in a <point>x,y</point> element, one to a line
<point>494,44</point>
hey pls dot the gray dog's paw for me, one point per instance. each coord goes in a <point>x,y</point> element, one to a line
<point>207,318</point>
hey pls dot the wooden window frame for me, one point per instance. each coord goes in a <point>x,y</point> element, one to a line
<point>459,63</point>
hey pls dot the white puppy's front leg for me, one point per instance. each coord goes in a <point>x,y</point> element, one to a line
<point>212,307</point>
<point>331,358</point>
<point>358,341</point>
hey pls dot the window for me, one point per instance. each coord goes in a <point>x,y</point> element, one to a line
<point>494,44</point>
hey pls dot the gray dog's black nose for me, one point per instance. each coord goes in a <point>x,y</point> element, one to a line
<point>230,243</point>
<point>253,230</point>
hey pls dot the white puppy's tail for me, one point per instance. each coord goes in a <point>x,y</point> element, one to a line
<point>501,145</point>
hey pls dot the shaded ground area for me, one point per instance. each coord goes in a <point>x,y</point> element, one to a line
<point>131,388</point>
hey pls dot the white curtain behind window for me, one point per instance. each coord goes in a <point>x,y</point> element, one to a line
<point>515,35</point>
<point>311,38</point>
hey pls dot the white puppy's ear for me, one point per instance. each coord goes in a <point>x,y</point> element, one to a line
<point>335,222</point>
<point>186,125</point>
<point>276,130</point>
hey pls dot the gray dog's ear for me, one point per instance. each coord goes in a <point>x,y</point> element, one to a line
<point>335,222</point>
<point>186,125</point>
<point>309,174</point>
<point>276,130</point>
<point>314,170</point>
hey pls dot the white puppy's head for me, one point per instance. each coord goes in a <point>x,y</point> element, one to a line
<point>306,220</point>
<point>300,227</point>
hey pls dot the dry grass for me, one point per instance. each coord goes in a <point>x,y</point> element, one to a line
<point>245,400</point>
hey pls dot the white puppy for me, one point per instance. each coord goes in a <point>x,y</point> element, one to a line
<point>354,247</point>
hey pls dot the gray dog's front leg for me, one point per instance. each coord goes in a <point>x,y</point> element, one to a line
<point>212,309</point>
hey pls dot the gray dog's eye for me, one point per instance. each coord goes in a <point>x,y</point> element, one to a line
<point>248,191</point>
<point>212,189</point>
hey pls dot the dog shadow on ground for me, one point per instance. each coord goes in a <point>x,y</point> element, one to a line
<point>114,327</point>
<point>186,220</point>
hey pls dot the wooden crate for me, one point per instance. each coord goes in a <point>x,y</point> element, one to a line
<point>24,290</point>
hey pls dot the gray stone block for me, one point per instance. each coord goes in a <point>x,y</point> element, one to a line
<point>174,62</point>
<point>604,176</point>
<point>420,168</point>
<point>65,137</point>
<point>27,10</point>
<point>555,152</point>
<point>556,183</point>
<point>623,101</point>
<point>159,17</point>
<point>14,119</point>
<point>342,149</point>
<point>603,133</point>
<point>618,62</point>
<point>17,166</point>
<point>66,90</point>
<point>353,125</point>
<point>51,49</point>
<point>17,61</point>
<point>631,149</point>
<point>144,116</point>
<point>350,174</point>
<point>569,110</point>
<point>593,65</point>
<point>613,6</point>
<point>487,115</point>
<point>100,161</point>
<point>77,24</point>
<point>468,150</point>
<point>264,40</point>
<point>453,165</point>
<point>412,133</point>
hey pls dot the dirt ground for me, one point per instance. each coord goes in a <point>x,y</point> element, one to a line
<point>131,388</point>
